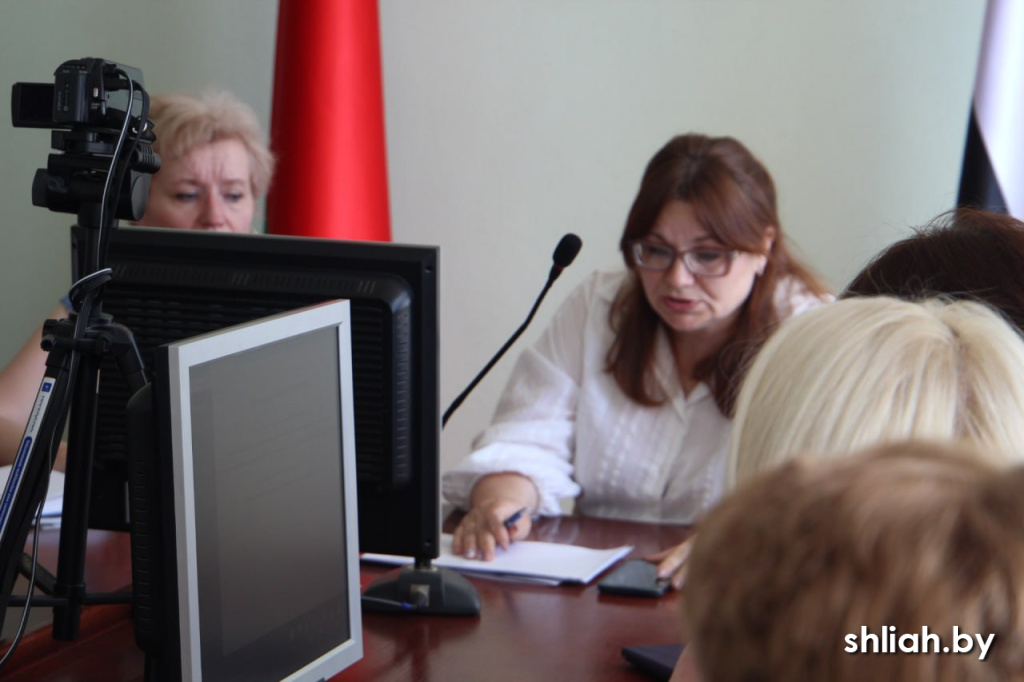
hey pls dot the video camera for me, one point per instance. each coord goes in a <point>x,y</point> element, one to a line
<point>91,107</point>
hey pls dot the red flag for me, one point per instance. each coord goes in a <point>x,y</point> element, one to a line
<point>327,125</point>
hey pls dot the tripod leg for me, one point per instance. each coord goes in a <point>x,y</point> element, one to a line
<point>71,366</point>
<point>74,525</point>
<point>44,579</point>
<point>30,473</point>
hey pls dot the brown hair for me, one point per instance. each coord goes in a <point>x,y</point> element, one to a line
<point>733,197</point>
<point>788,568</point>
<point>965,253</point>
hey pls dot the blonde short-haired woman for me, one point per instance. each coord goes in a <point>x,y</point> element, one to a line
<point>865,371</point>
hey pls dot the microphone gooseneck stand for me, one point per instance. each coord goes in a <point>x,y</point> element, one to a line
<point>427,589</point>
<point>564,255</point>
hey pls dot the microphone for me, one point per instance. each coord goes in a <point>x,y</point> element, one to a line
<point>565,253</point>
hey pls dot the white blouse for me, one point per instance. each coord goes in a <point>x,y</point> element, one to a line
<point>563,422</point>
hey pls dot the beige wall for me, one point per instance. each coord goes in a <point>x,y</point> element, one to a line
<point>511,122</point>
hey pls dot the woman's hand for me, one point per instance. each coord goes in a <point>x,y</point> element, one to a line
<point>495,499</point>
<point>483,529</point>
<point>672,562</point>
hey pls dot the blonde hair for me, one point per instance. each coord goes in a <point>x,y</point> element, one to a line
<point>908,536</point>
<point>864,371</point>
<point>183,122</point>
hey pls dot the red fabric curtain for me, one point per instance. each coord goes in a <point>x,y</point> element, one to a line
<point>327,122</point>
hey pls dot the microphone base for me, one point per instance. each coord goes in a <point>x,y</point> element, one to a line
<point>422,590</point>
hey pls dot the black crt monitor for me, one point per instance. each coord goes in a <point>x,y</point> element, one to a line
<point>169,285</point>
<point>253,486</point>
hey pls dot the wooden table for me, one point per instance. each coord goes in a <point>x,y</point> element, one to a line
<point>105,649</point>
<point>525,632</point>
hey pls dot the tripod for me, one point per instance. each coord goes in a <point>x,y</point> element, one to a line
<point>75,346</point>
<point>101,179</point>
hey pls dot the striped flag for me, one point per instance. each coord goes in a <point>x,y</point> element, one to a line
<point>327,122</point>
<point>993,170</point>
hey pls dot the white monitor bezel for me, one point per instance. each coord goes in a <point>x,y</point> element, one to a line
<point>182,356</point>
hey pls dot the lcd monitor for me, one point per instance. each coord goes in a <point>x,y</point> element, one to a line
<point>249,486</point>
<point>169,285</point>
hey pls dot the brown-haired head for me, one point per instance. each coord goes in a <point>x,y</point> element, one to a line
<point>733,197</point>
<point>965,253</point>
<point>911,535</point>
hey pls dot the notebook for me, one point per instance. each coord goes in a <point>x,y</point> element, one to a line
<point>537,562</point>
<point>54,496</point>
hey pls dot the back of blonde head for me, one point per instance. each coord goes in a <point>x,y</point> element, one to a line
<point>863,371</point>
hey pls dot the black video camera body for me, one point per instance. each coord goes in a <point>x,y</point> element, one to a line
<point>88,106</point>
<point>82,95</point>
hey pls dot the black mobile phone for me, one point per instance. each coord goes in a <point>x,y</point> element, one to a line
<point>634,578</point>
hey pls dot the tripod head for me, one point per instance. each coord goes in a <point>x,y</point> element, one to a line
<point>91,108</point>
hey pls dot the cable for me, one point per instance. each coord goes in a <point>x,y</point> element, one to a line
<point>86,280</point>
<point>104,198</point>
<point>103,242</point>
<point>403,605</point>
<point>23,625</point>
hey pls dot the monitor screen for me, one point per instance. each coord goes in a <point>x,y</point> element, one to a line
<point>258,422</point>
<point>169,285</point>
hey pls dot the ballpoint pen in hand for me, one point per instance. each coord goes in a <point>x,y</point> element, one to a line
<point>510,522</point>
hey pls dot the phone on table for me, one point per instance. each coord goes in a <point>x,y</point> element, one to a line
<point>634,578</point>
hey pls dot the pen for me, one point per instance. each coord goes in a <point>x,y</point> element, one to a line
<point>511,521</point>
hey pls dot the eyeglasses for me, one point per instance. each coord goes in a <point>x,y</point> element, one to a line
<point>703,262</point>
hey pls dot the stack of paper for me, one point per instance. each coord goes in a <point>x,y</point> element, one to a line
<point>539,562</point>
<point>54,495</point>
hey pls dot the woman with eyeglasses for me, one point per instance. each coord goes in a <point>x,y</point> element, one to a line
<point>625,401</point>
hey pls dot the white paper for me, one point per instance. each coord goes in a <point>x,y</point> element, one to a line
<point>54,494</point>
<point>542,562</point>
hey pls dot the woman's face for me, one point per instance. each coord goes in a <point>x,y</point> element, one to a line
<point>689,303</point>
<point>209,188</point>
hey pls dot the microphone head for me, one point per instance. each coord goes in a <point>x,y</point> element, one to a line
<point>565,252</point>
